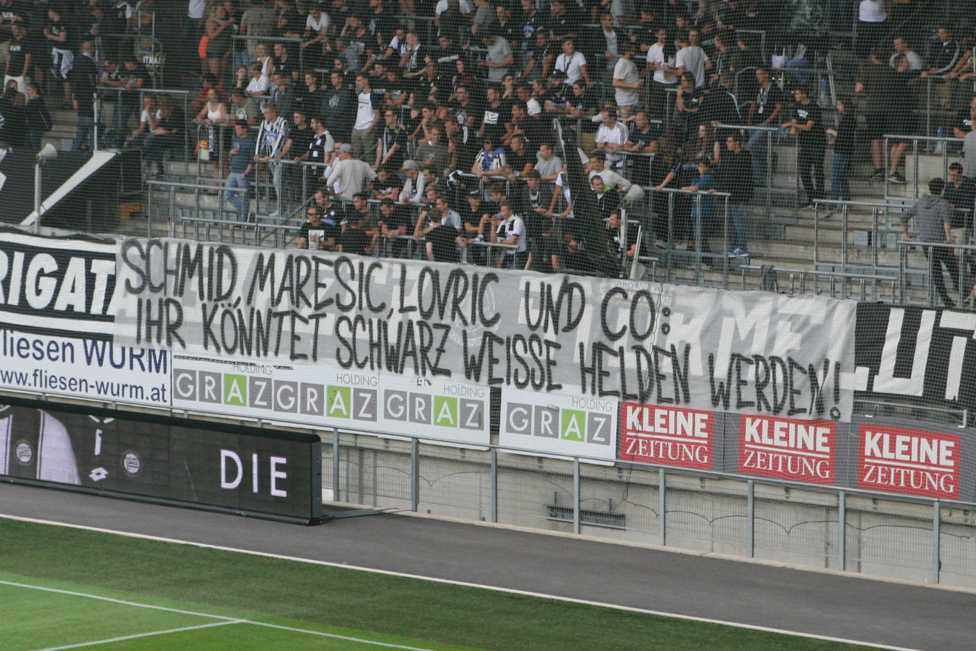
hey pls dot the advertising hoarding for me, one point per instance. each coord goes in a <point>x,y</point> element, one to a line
<point>585,427</point>
<point>667,435</point>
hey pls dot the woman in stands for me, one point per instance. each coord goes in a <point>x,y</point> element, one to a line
<point>220,30</point>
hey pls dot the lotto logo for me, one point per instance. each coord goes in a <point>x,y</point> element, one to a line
<point>556,423</point>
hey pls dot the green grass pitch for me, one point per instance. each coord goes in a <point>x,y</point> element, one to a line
<point>70,588</point>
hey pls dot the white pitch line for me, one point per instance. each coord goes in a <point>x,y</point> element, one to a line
<point>584,602</point>
<point>82,645</point>
<point>224,622</point>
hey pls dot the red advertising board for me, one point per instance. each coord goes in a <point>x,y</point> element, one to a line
<point>668,436</point>
<point>909,461</point>
<point>795,450</point>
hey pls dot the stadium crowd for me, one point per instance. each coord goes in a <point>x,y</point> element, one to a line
<point>434,121</point>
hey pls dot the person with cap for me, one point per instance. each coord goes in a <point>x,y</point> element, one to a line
<point>349,175</point>
<point>413,186</point>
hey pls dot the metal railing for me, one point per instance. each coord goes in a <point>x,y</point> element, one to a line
<point>817,526</point>
<point>958,252</point>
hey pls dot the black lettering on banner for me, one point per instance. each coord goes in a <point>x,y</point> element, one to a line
<point>264,274</point>
<point>782,381</point>
<point>645,380</point>
<point>816,389</point>
<point>659,376</point>
<point>369,278</point>
<point>223,290</point>
<point>612,336</point>
<point>520,360</point>
<point>191,265</point>
<point>738,360</point>
<point>321,303</point>
<point>794,366</point>
<point>487,322</point>
<point>303,273</point>
<point>127,247</point>
<point>762,403</point>
<point>403,291</point>
<point>536,351</point>
<point>340,321</point>
<point>722,393</point>
<point>646,295</point>
<point>340,264</point>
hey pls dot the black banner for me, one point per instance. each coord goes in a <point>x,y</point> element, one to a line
<point>245,470</point>
<point>916,356</point>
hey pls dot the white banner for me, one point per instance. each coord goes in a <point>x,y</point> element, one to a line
<point>585,427</point>
<point>91,369</point>
<point>326,395</point>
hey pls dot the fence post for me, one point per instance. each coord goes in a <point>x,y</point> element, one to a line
<point>494,485</point>
<point>576,495</point>
<point>335,464</point>
<point>414,474</point>
<point>661,505</point>
<point>842,530</point>
<point>751,508</point>
<point>936,540</point>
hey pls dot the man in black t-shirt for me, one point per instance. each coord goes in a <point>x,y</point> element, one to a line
<point>763,112</point>
<point>496,122</point>
<point>965,120</point>
<point>807,126</point>
<point>642,138</point>
<point>355,239</point>
<point>442,239</point>
<point>20,58</point>
<point>314,233</point>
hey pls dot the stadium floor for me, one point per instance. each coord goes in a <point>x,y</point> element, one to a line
<point>745,593</point>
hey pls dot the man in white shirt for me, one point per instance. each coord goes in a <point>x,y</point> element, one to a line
<point>690,58</point>
<point>901,47</point>
<point>367,117</point>
<point>611,135</point>
<point>259,84</point>
<point>349,175</point>
<point>626,80</point>
<point>573,63</point>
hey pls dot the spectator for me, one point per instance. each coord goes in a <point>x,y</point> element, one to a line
<point>901,47</point>
<point>315,36</point>
<point>572,64</point>
<point>314,234</point>
<point>871,16</point>
<point>703,210</point>
<point>490,161</point>
<point>321,150</point>
<point>339,108</point>
<point>721,105</point>
<point>257,21</point>
<point>626,81</point>
<point>61,40</point>
<point>517,159</point>
<point>807,125</point>
<point>448,215</point>
<point>442,240</point>
<point>877,92</point>
<point>243,147</point>
<point>735,177</point>
<point>333,214</point>
<point>220,29</point>
<point>260,85</point>
<point>202,96</point>
<point>367,117</point>
<point>496,122</point>
<point>19,58</point>
<point>413,186</point>
<point>688,105</point>
<point>661,61</point>
<point>386,185</point>
<point>282,93</point>
<point>434,151</point>
<point>508,228</point>
<point>611,135</point>
<point>271,140</point>
<point>533,199</point>
<point>283,63</point>
<point>607,201</point>
<point>38,118</point>
<point>690,58</point>
<point>960,192</point>
<point>167,135</point>
<point>349,175</point>
<point>244,108</point>
<point>354,239</point>
<point>500,57</point>
<point>395,222</point>
<point>311,95</point>
<point>84,75</point>
<point>616,238</point>
<point>933,220</point>
<point>844,139</point>
<point>642,139</point>
<point>391,146</point>
<point>561,194</point>
<point>763,112</point>
<point>484,17</point>
<point>964,122</point>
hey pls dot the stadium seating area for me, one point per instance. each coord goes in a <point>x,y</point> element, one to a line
<point>738,143</point>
